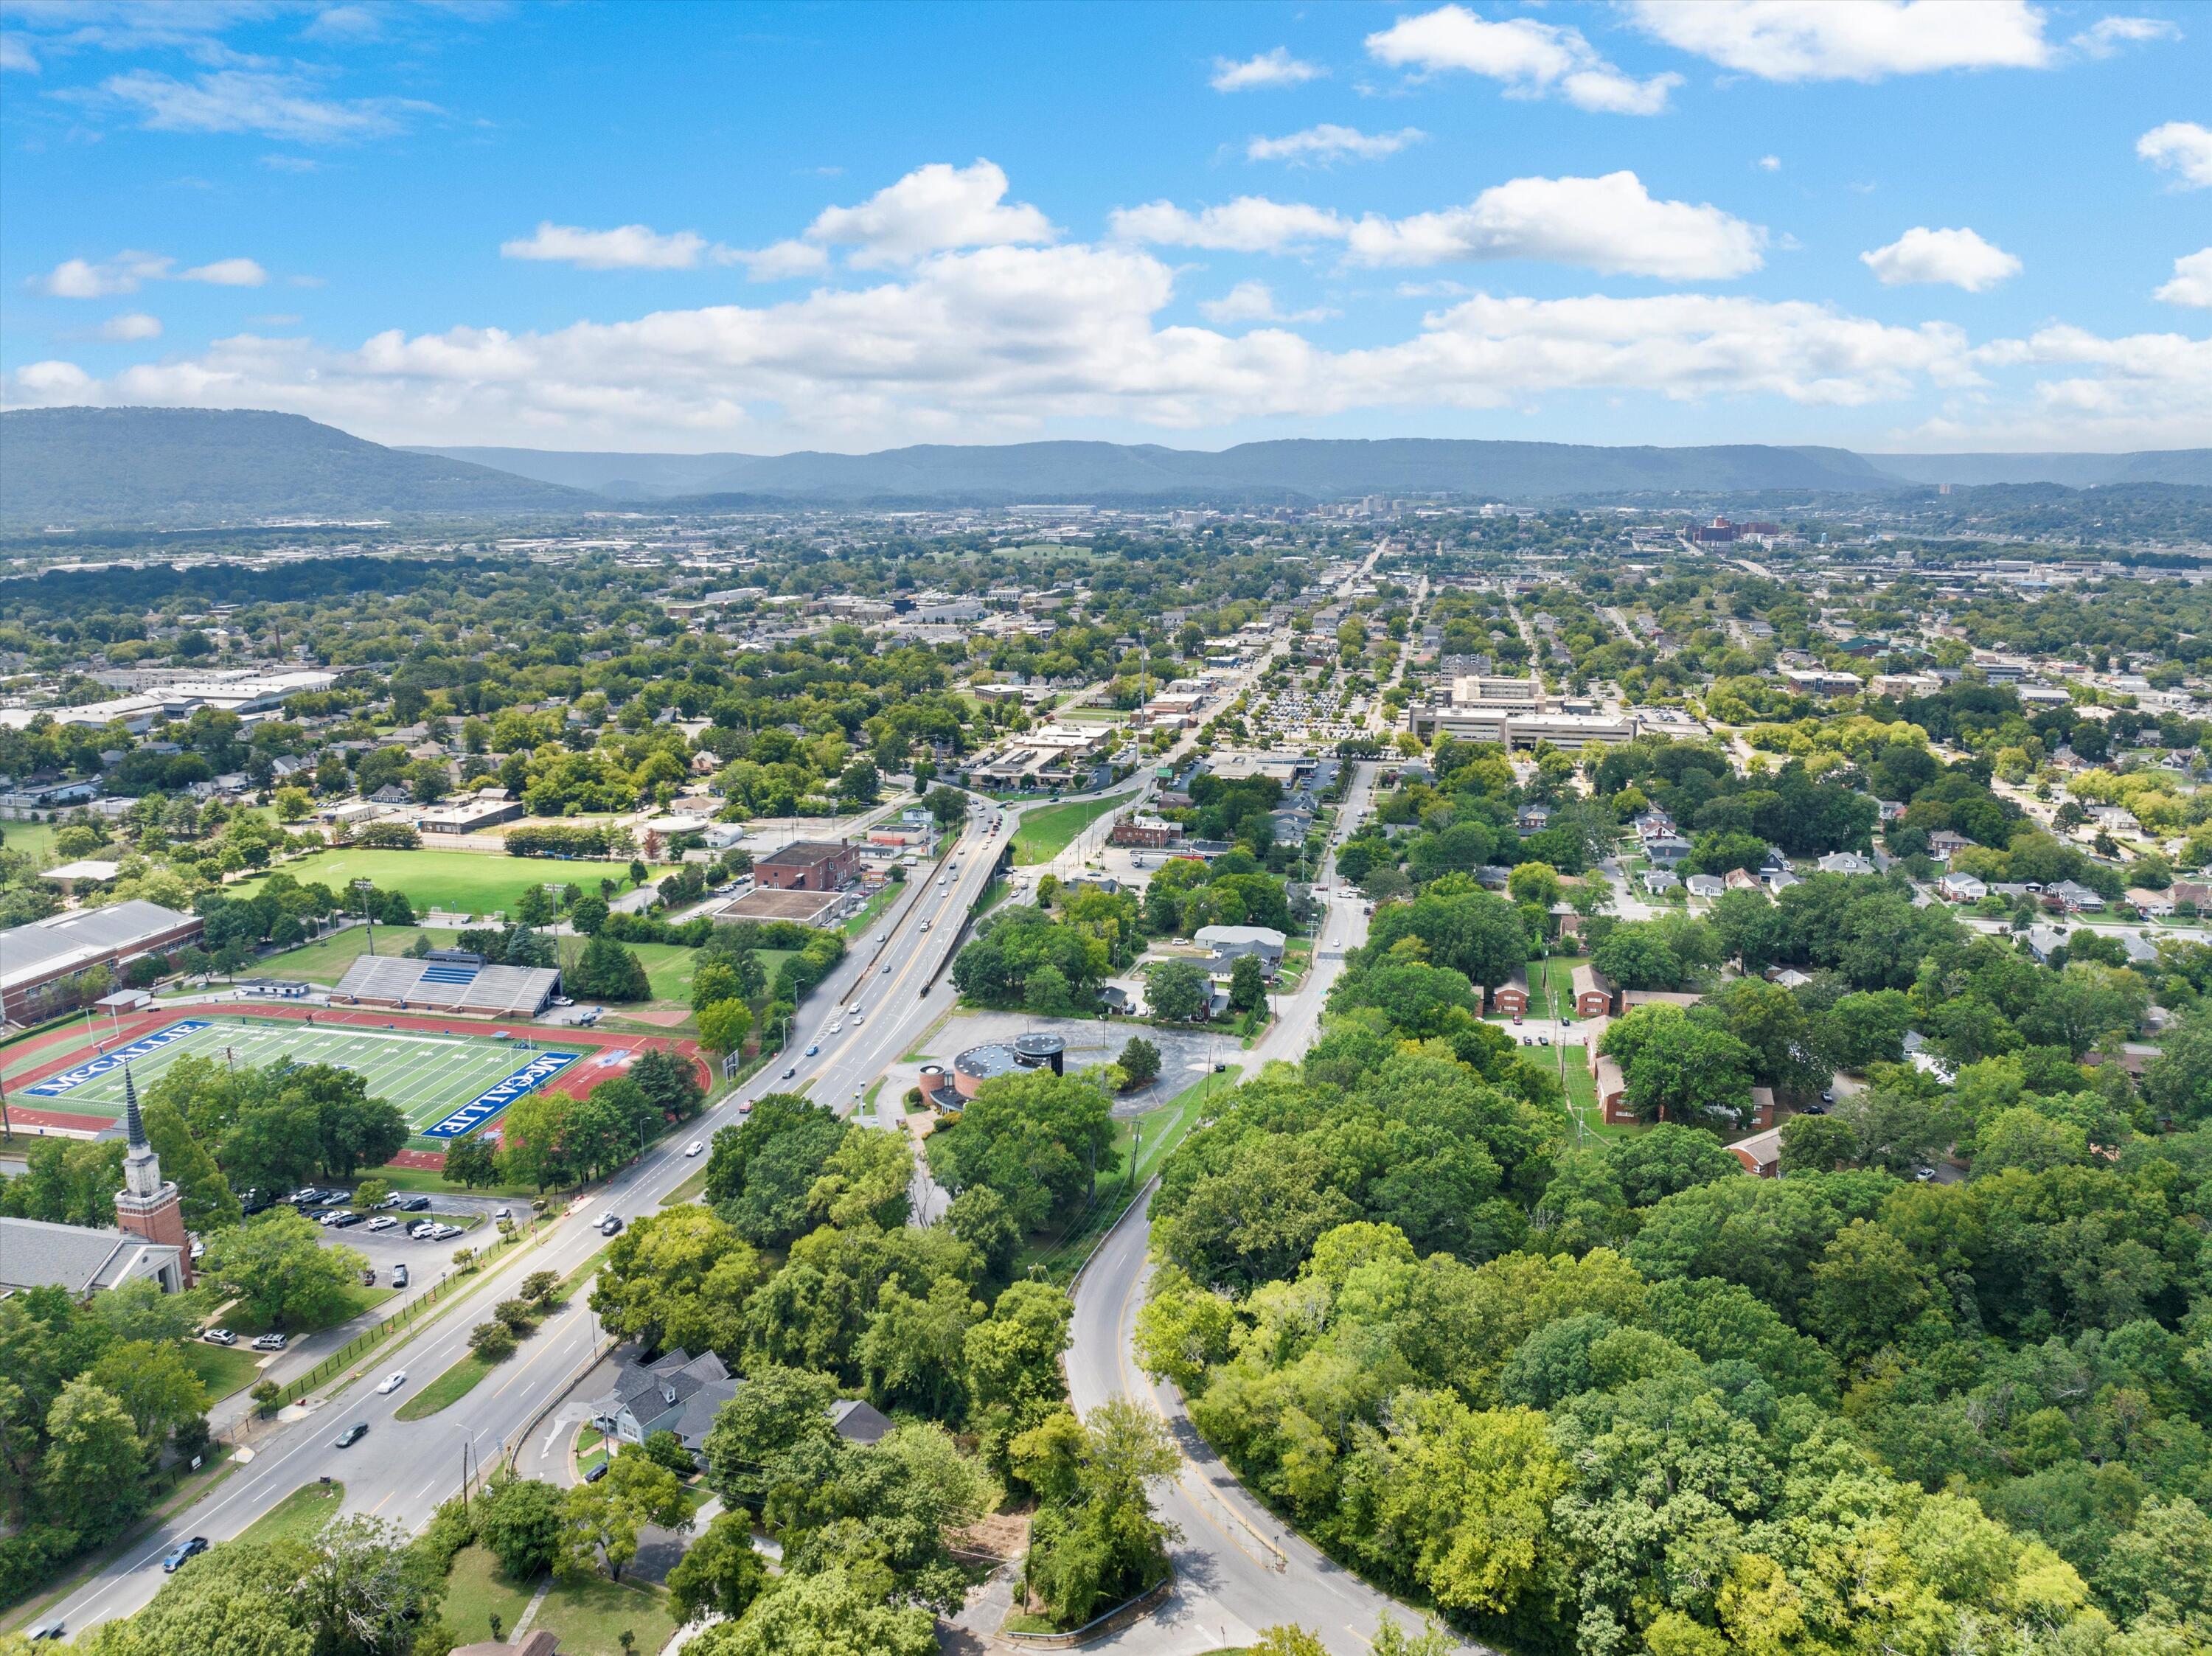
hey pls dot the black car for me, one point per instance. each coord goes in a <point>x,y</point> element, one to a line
<point>345,1219</point>
<point>182,1551</point>
<point>597,1472</point>
<point>351,1435</point>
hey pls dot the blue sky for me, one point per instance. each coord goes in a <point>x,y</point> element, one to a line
<point>1941,224</point>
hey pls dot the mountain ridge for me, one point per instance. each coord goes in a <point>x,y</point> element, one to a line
<point>171,468</point>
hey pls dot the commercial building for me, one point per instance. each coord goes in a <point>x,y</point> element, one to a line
<point>990,1061</point>
<point>808,866</point>
<point>1514,730</point>
<point>39,962</point>
<point>470,816</point>
<point>816,908</point>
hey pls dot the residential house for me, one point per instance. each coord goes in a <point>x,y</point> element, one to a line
<point>1961,888</point>
<point>1594,992</point>
<point>2157,904</point>
<point>1760,1153</point>
<point>1657,882</point>
<point>1706,886</point>
<point>2077,898</point>
<point>1846,862</point>
<point>681,1393</point>
<point>1511,998</point>
<point>1667,851</point>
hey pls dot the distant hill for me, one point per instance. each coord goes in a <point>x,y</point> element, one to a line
<point>92,469</point>
<point>2178,465</point>
<point>1292,469</point>
<point>189,467</point>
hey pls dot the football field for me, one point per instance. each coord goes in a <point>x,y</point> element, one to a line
<point>444,1084</point>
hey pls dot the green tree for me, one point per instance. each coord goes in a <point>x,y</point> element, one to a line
<point>607,971</point>
<point>155,1385</point>
<point>520,1521</point>
<point>277,1263</point>
<point>1178,991</point>
<point>837,1611</point>
<point>470,1161</point>
<point>1139,1061</point>
<point>1248,984</point>
<point>92,1477</point>
<point>714,979</point>
<point>599,1521</point>
<point>724,1025</point>
<point>720,1573</point>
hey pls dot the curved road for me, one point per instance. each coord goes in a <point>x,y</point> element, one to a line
<point>1238,1569</point>
<point>402,1469</point>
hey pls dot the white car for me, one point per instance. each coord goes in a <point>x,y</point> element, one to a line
<point>693,1148</point>
<point>391,1382</point>
<point>382,1221</point>
<point>838,1027</point>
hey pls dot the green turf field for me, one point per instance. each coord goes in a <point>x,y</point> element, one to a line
<point>478,882</point>
<point>427,1075</point>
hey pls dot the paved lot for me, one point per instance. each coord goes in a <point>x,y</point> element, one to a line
<point>1185,1055</point>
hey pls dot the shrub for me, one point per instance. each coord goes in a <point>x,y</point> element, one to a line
<point>539,1285</point>
<point>518,1316</point>
<point>491,1342</point>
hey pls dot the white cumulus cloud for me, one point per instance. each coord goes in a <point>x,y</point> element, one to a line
<point>932,208</point>
<point>1849,39</point>
<point>1329,143</point>
<point>78,278</point>
<point>1275,67</point>
<point>626,247</point>
<point>1960,258</point>
<point>1529,58</point>
<point>2181,147</point>
<point>2192,280</point>
<point>227,273</point>
<point>131,325</point>
<point>1254,301</point>
<point>1249,224</point>
<point>2109,34</point>
<point>1611,224</point>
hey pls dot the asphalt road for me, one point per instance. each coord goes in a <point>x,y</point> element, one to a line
<point>402,1469</point>
<point>1238,1569</point>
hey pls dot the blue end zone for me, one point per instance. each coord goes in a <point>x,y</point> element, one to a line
<point>107,1063</point>
<point>486,1105</point>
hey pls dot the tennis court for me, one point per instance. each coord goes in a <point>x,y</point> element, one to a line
<point>445,1085</point>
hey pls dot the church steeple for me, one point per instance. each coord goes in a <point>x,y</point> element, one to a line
<point>142,1168</point>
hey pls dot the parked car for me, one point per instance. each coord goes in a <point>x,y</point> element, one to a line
<point>351,1435</point>
<point>382,1221</point>
<point>444,1233</point>
<point>422,1228</point>
<point>344,1217</point>
<point>270,1343</point>
<point>693,1148</point>
<point>220,1337</point>
<point>502,1213</point>
<point>399,1276</point>
<point>596,1473</point>
<point>305,1197</point>
<point>411,1203</point>
<point>183,1550</point>
<point>391,1382</point>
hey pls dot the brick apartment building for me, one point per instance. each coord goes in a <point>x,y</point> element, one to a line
<point>808,866</point>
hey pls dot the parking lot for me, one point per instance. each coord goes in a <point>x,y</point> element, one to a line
<point>426,1258</point>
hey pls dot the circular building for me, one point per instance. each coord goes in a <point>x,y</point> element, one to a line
<point>978,1064</point>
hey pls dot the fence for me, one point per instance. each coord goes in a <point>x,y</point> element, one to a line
<point>369,1339</point>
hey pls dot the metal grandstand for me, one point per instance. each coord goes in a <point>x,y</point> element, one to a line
<point>449,985</point>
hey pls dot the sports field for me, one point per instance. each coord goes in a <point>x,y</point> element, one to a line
<point>445,1085</point>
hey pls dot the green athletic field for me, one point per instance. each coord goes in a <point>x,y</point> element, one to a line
<point>427,1075</point>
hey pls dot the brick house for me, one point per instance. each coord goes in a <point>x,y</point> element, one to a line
<point>1594,993</point>
<point>1511,998</point>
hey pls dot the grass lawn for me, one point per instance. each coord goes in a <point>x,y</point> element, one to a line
<point>34,841</point>
<point>447,1390</point>
<point>325,960</point>
<point>591,1448</point>
<point>221,1368</point>
<point>429,1181</point>
<point>357,1299</point>
<point>300,1516</point>
<point>476,1590</point>
<point>1552,986</point>
<point>591,1616</point>
<point>477,883</point>
<point>690,1189</point>
<point>870,909</point>
<point>1581,1100</point>
<point>1041,835</point>
<point>668,968</point>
